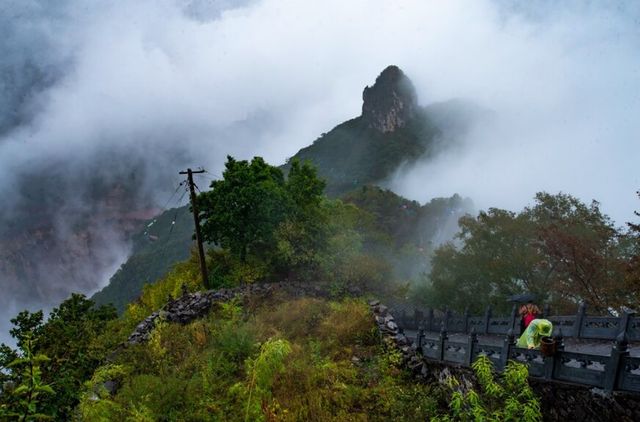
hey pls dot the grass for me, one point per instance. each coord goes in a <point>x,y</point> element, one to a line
<point>332,366</point>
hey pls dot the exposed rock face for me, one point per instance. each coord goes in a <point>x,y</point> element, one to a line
<point>50,250</point>
<point>391,102</point>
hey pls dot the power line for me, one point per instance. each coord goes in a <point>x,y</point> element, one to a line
<point>164,208</point>
<point>175,216</point>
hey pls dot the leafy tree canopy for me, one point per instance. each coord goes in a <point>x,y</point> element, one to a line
<point>66,338</point>
<point>242,211</point>
<point>560,248</point>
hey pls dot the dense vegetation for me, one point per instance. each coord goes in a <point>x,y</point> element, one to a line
<point>53,358</point>
<point>282,360</point>
<point>352,154</point>
<point>286,229</point>
<point>279,358</point>
<point>560,248</point>
<point>347,158</point>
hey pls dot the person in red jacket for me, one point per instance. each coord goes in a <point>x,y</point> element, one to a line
<point>528,313</point>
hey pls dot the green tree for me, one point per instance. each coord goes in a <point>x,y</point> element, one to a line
<point>632,273</point>
<point>68,339</point>
<point>22,400</point>
<point>242,211</point>
<point>304,188</point>
<point>302,237</point>
<point>253,212</point>
<point>583,248</point>
<point>26,324</point>
<point>560,248</point>
<point>497,258</point>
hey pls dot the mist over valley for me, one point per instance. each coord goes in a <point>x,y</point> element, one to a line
<point>103,103</point>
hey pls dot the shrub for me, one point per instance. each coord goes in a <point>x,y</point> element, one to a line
<point>24,399</point>
<point>507,399</point>
<point>348,323</point>
<point>261,371</point>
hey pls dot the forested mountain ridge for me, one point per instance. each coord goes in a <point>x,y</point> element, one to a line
<point>391,131</point>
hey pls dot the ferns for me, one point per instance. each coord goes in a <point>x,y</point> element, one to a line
<point>24,403</point>
<point>508,399</point>
<point>261,372</point>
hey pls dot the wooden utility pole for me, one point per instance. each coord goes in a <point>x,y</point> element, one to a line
<point>194,207</point>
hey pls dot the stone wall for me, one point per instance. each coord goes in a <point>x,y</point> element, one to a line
<point>192,306</point>
<point>562,402</point>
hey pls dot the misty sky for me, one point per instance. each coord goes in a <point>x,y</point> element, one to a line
<point>179,82</point>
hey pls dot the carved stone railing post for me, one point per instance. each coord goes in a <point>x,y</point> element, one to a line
<point>472,341</point>
<point>624,322</point>
<point>615,365</point>
<point>447,315</point>
<point>507,348</point>
<point>582,310</point>
<point>466,320</point>
<point>514,316</point>
<point>487,319</point>
<point>559,338</point>
<point>441,344</point>
<point>420,340</point>
<point>418,318</point>
<point>551,362</point>
<point>430,320</point>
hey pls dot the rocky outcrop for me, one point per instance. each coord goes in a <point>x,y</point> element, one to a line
<point>392,336</point>
<point>391,102</point>
<point>183,310</point>
<point>51,247</point>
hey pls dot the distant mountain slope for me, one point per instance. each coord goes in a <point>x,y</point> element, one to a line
<point>414,229</point>
<point>155,250</point>
<point>392,130</point>
<point>352,154</point>
<point>408,221</point>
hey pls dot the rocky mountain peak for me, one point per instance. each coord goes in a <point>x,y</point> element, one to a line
<point>391,102</point>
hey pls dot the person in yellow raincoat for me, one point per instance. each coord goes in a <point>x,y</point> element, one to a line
<point>537,329</point>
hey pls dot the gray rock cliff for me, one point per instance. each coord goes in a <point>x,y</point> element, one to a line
<point>391,102</point>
